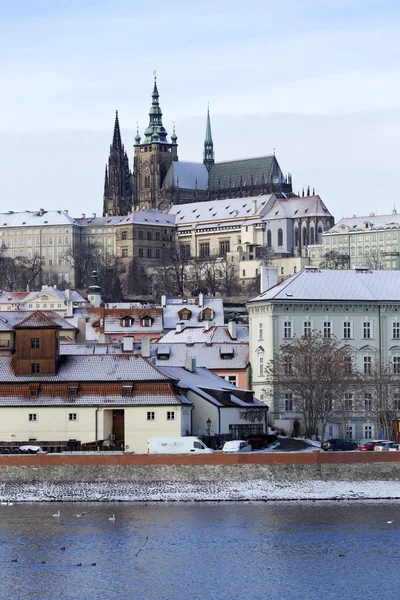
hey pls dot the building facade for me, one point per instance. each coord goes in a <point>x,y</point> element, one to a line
<point>361,308</point>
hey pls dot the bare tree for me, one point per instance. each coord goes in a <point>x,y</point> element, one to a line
<point>228,276</point>
<point>380,393</point>
<point>266,254</point>
<point>332,259</point>
<point>315,371</point>
<point>374,259</point>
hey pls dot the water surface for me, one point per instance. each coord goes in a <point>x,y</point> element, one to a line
<point>291,550</point>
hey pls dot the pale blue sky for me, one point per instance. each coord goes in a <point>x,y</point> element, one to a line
<point>318,80</point>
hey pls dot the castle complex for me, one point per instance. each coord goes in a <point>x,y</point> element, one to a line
<point>159,180</point>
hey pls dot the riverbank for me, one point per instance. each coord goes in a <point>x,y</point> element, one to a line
<point>183,478</point>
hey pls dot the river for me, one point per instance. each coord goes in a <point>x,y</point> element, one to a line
<point>210,551</point>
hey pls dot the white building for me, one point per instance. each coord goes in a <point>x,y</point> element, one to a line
<point>361,308</point>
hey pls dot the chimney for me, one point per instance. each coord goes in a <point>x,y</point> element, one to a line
<point>163,301</point>
<point>127,343</point>
<point>180,327</point>
<point>190,364</point>
<point>146,347</point>
<point>83,215</point>
<point>41,212</point>
<point>207,325</point>
<point>67,294</point>
<point>93,215</point>
<point>254,206</point>
<point>81,333</point>
<point>201,300</point>
<point>232,329</point>
<point>269,278</point>
<point>66,211</point>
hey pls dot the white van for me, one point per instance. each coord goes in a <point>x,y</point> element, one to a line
<point>177,445</point>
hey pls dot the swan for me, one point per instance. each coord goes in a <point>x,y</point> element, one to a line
<point>112,518</point>
<point>57,514</point>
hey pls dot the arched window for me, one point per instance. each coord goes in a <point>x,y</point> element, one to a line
<point>319,238</point>
<point>280,237</point>
<point>312,235</point>
<point>296,237</point>
<point>305,237</point>
<point>269,238</point>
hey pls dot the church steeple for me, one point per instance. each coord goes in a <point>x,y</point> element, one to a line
<point>208,156</point>
<point>117,178</point>
<point>155,132</point>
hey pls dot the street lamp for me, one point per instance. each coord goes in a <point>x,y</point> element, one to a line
<point>208,423</point>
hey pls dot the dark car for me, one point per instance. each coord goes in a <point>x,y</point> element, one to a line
<point>337,444</point>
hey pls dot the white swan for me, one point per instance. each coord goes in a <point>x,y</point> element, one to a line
<point>112,518</point>
<point>57,514</point>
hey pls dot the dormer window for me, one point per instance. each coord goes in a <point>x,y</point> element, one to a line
<point>127,391</point>
<point>73,392</point>
<point>184,314</point>
<point>147,321</point>
<point>207,315</point>
<point>127,321</point>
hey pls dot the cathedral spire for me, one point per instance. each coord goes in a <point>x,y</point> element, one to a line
<point>208,156</point>
<point>155,132</point>
<point>116,143</point>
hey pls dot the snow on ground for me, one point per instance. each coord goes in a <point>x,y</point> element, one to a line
<point>202,491</point>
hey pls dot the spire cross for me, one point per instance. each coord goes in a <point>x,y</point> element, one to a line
<point>155,74</point>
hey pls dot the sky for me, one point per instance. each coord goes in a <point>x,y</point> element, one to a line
<point>316,81</point>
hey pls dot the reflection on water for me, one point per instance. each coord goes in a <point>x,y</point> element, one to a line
<point>221,551</point>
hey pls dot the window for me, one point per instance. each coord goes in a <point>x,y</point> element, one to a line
<point>224,247</point>
<point>127,322</point>
<point>367,401</point>
<point>157,235</point>
<point>151,416</point>
<point>367,365</point>
<point>232,379</point>
<point>396,331</point>
<point>204,248</point>
<point>140,234</point>
<point>287,365</point>
<point>327,329</point>
<point>289,402</point>
<point>35,368</point>
<point>124,252</point>
<point>140,251</point>
<point>32,417</point>
<point>244,273</point>
<point>347,330</point>
<point>368,432</point>
<point>35,343</point>
<point>171,415</point>
<point>260,331</point>
<point>349,432</point>
<point>261,366</point>
<point>287,330</point>
<point>126,391</point>
<point>157,253</point>
<point>307,329</point>
<point>149,235</point>
<point>280,237</point>
<point>72,417</point>
<point>348,365</point>
<point>146,322</point>
<point>396,365</point>
<point>348,401</point>
<point>124,235</point>
<point>33,393</point>
<point>366,330</point>
<point>148,252</point>
<point>269,239</point>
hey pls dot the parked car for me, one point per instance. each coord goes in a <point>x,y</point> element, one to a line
<point>236,446</point>
<point>30,449</point>
<point>386,446</point>
<point>367,446</point>
<point>337,444</point>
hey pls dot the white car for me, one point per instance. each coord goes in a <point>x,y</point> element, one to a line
<point>386,446</point>
<point>236,446</point>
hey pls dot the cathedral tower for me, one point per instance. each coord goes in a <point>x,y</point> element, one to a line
<point>152,157</point>
<point>208,156</point>
<point>118,178</point>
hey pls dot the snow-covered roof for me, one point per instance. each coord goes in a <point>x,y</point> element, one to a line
<point>116,368</point>
<point>208,356</point>
<point>186,175</point>
<point>373,221</point>
<point>220,210</point>
<point>213,335</point>
<point>14,317</point>
<point>142,398</point>
<point>294,208</point>
<point>356,285</point>
<point>174,306</point>
<point>149,217</point>
<point>36,218</point>
<point>67,347</point>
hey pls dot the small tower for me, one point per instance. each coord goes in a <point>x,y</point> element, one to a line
<point>94,291</point>
<point>118,178</point>
<point>208,156</point>
<point>152,157</point>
